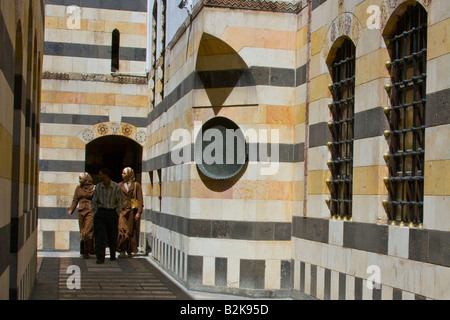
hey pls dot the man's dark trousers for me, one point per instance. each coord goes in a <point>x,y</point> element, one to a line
<point>105,232</point>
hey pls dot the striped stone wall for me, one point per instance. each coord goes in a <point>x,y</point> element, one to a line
<point>436,198</point>
<point>83,101</point>
<point>334,259</point>
<point>273,235</point>
<point>22,30</point>
<point>265,68</point>
<point>231,236</point>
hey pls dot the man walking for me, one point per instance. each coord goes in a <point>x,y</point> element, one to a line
<point>107,205</point>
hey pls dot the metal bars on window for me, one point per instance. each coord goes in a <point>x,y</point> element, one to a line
<point>153,56</point>
<point>408,49</point>
<point>342,127</point>
<point>158,57</point>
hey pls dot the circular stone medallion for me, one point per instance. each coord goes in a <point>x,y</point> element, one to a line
<point>220,149</point>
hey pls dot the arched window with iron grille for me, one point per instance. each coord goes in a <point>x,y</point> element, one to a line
<point>342,131</point>
<point>407,46</point>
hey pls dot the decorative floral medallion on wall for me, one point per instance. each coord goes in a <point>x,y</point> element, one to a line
<point>88,135</point>
<point>141,136</point>
<point>102,129</point>
<point>112,128</point>
<point>115,127</point>
<point>127,129</point>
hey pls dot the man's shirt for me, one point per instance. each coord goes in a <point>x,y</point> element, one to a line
<point>107,197</point>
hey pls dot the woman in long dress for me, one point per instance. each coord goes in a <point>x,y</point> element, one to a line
<point>82,198</point>
<point>126,242</point>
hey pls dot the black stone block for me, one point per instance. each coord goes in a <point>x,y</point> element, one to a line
<point>195,269</point>
<point>252,274</point>
<point>221,272</point>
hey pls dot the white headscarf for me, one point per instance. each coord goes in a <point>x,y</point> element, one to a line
<point>87,183</point>
<point>129,177</point>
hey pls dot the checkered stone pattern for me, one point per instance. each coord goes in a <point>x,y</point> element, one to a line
<point>339,258</point>
<point>253,278</point>
<point>326,284</point>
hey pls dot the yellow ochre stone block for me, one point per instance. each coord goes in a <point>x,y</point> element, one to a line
<point>319,87</point>
<point>61,240</point>
<point>256,190</point>
<point>63,142</point>
<point>369,180</point>
<point>302,37</point>
<point>317,40</point>
<point>58,189</point>
<point>6,159</point>
<point>99,26</point>
<point>280,114</point>
<point>100,99</point>
<point>239,37</point>
<point>438,39</point>
<point>368,66</point>
<point>300,113</point>
<point>317,181</point>
<point>437,175</point>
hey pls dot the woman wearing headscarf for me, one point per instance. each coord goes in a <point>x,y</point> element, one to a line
<point>132,206</point>
<point>83,197</point>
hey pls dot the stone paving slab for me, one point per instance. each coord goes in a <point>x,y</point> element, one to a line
<point>123,279</point>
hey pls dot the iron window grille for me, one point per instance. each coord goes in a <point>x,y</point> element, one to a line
<point>408,49</point>
<point>342,131</point>
<point>153,55</point>
<point>158,60</point>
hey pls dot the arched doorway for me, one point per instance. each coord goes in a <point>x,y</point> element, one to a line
<point>114,152</point>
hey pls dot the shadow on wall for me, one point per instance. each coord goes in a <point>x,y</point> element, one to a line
<point>220,69</point>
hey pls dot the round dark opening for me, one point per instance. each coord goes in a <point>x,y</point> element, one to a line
<point>220,149</point>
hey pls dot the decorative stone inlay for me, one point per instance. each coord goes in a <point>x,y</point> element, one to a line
<point>393,4</point>
<point>346,24</point>
<point>88,135</point>
<point>384,15</point>
<point>115,127</point>
<point>112,128</point>
<point>141,137</point>
<point>94,77</point>
<point>127,129</point>
<point>102,129</point>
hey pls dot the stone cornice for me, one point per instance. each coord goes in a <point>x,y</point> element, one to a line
<point>93,77</point>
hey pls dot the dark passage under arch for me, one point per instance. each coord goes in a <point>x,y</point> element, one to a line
<point>113,152</point>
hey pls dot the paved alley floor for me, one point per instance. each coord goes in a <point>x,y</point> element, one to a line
<point>65,277</point>
<point>138,278</point>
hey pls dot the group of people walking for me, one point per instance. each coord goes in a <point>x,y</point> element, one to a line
<point>107,214</point>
